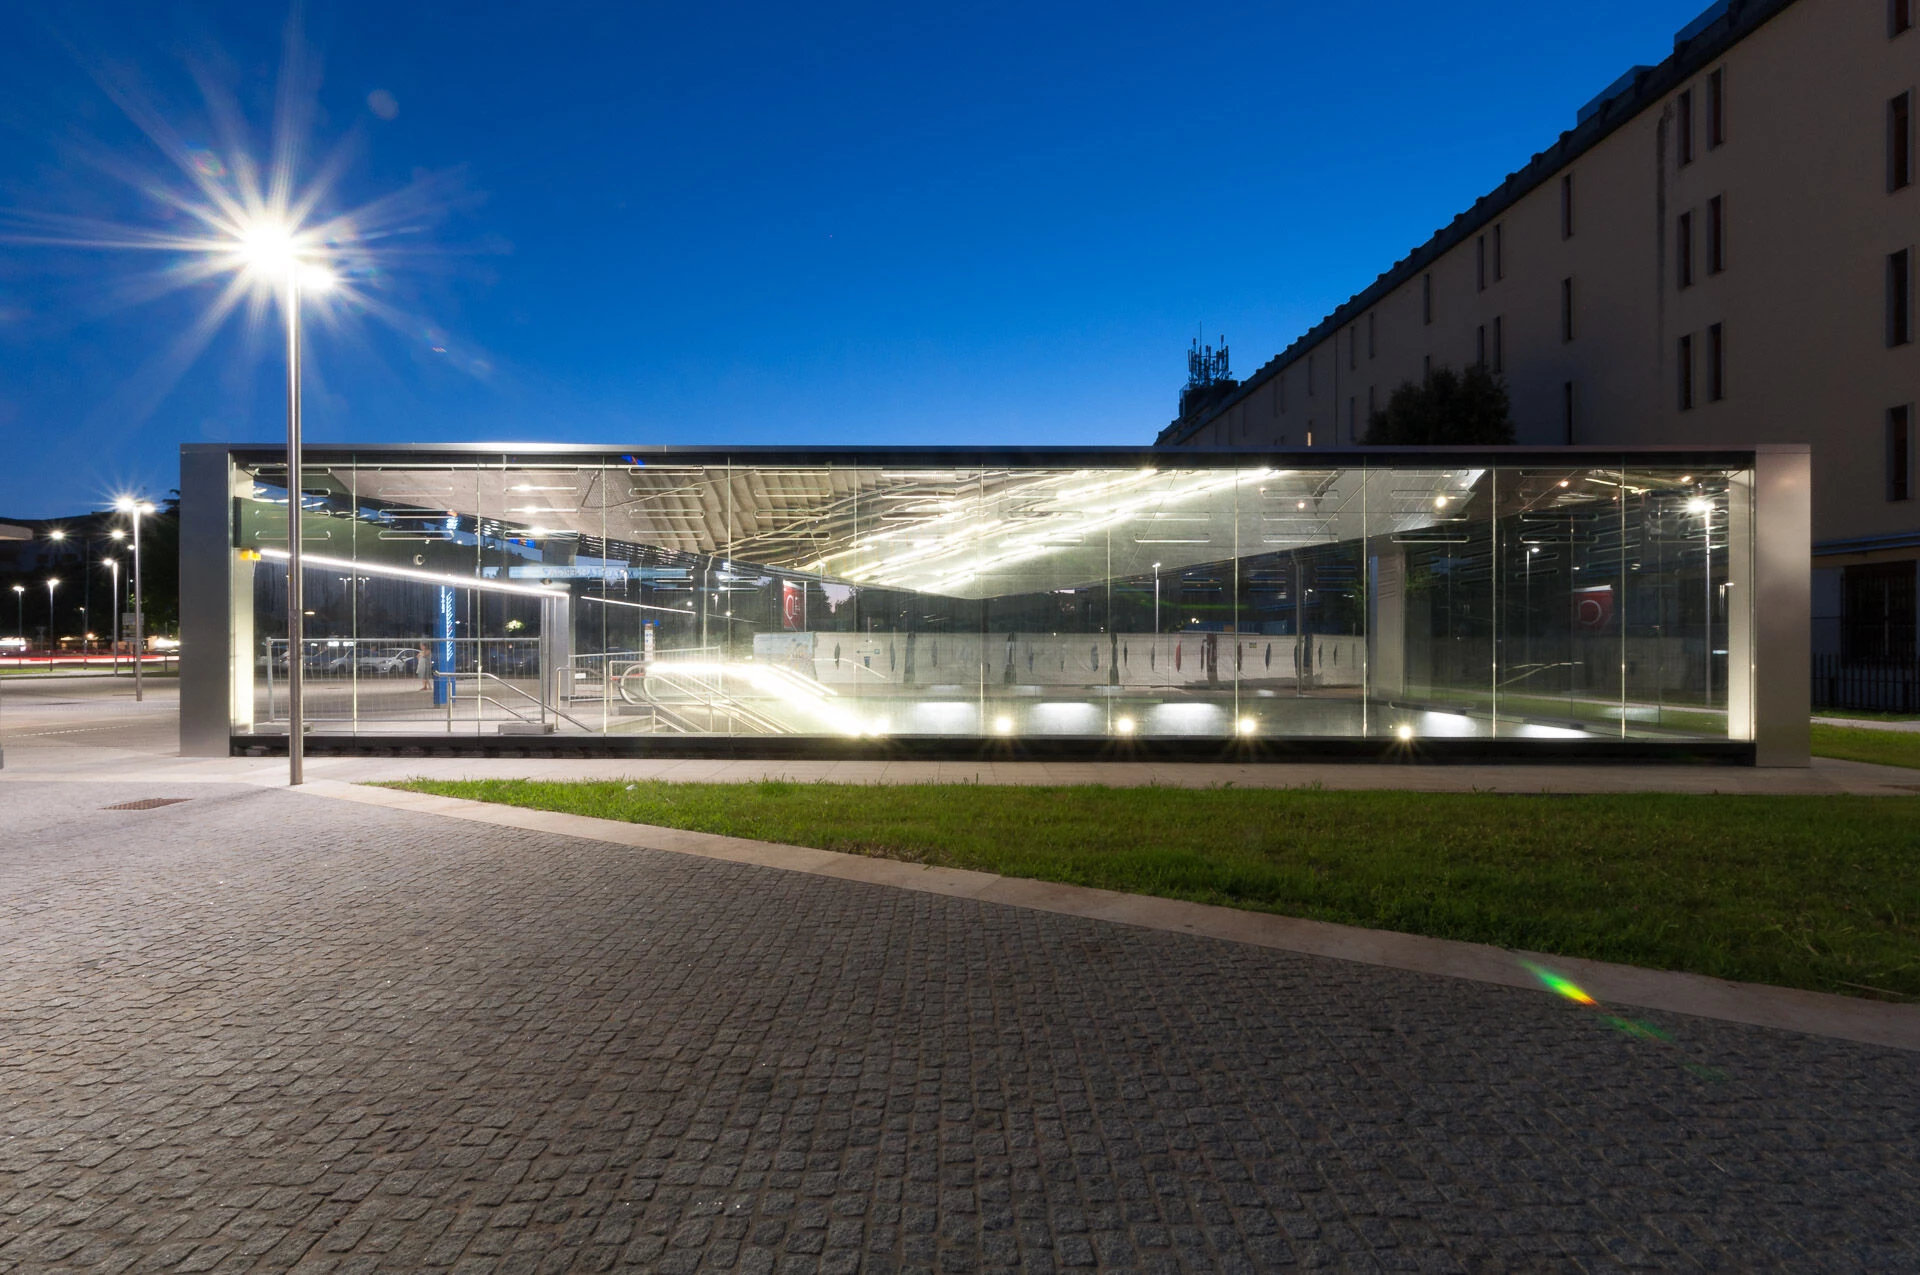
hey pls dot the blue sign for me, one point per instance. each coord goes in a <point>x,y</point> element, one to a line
<point>443,650</point>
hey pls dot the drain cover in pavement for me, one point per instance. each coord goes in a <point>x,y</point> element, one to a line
<point>148,803</point>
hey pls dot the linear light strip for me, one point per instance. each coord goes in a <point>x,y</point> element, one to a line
<point>422,577</point>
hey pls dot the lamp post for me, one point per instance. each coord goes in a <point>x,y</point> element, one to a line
<point>133,509</point>
<point>296,599</point>
<point>1704,507</point>
<point>116,535</point>
<point>52,583</point>
<point>113,603</point>
<point>282,258</point>
<point>20,613</point>
<point>58,536</point>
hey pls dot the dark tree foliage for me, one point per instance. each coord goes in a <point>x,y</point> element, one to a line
<point>1448,407</point>
<point>160,578</point>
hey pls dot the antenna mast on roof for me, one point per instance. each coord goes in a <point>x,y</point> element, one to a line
<point>1209,377</point>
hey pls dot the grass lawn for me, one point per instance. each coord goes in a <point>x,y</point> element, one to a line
<point>1858,743</point>
<point>1814,892</point>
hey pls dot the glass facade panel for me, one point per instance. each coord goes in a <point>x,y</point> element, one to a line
<point>1110,597</point>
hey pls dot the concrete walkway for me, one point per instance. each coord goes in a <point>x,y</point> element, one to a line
<point>1843,1017</point>
<point>258,1030</point>
<point>1872,723</point>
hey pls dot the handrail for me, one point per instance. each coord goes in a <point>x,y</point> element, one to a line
<point>716,700</point>
<point>481,676</point>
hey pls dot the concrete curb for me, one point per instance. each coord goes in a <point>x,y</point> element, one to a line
<point>1757,1005</point>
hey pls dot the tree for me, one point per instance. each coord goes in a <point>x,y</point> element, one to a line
<point>1447,407</point>
<point>160,576</point>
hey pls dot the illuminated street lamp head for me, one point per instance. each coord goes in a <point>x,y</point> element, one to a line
<point>128,505</point>
<point>268,247</point>
<point>276,254</point>
<point>56,535</point>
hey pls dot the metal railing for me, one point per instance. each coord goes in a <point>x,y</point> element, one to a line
<point>1866,686</point>
<point>374,680</point>
<point>481,681</point>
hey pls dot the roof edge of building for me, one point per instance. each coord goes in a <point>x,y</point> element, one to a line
<point>1741,19</point>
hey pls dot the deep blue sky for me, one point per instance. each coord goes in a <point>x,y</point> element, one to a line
<point>767,223</point>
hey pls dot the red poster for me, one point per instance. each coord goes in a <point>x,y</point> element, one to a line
<point>790,600</point>
<point>1593,609</point>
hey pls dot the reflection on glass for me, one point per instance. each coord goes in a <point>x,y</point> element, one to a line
<point>634,596</point>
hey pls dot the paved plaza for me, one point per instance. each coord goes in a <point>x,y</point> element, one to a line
<point>258,1030</point>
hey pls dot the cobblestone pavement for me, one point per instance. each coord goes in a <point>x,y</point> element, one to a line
<point>260,1031</point>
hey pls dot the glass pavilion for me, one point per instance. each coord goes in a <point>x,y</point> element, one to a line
<point>1107,602</point>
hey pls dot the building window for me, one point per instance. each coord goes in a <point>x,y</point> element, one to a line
<point>1899,16</point>
<point>1373,339</point>
<point>1716,235</point>
<point>1900,297</point>
<point>1900,142</point>
<point>1426,299</point>
<point>1566,309</point>
<point>1716,363</point>
<point>1683,249</point>
<point>1480,346</point>
<point>1900,452</point>
<point>1353,349</point>
<point>1499,346</point>
<point>1353,407</point>
<point>1717,108</point>
<point>1686,373</point>
<point>1877,608</point>
<point>1683,127</point>
<point>1480,264</point>
<point>1499,252</point>
<point>1566,409</point>
<point>1566,206</point>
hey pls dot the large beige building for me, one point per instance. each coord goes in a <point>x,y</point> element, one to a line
<point>1722,250</point>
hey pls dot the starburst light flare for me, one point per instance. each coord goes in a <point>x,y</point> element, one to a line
<point>258,215</point>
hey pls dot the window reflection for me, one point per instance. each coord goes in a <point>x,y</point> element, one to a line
<point>635,596</point>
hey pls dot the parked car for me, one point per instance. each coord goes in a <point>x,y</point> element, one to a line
<point>390,661</point>
<point>522,659</point>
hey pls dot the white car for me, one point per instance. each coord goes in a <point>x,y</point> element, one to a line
<point>389,662</point>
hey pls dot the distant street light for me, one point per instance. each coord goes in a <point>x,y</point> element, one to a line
<point>20,617</point>
<point>133,509</point>
<point>52,583</point>
<point>113,641</point>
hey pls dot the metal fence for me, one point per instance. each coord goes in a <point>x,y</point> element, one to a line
<point>367,681</point>
<point>1883,687</point>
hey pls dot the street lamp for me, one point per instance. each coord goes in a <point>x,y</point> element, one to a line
<point>20,615</point>
<point>113,605</point>
<point>1704,507</point>
<point>278,256</point>
<point>133,509</point>
<point>52,582</point>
